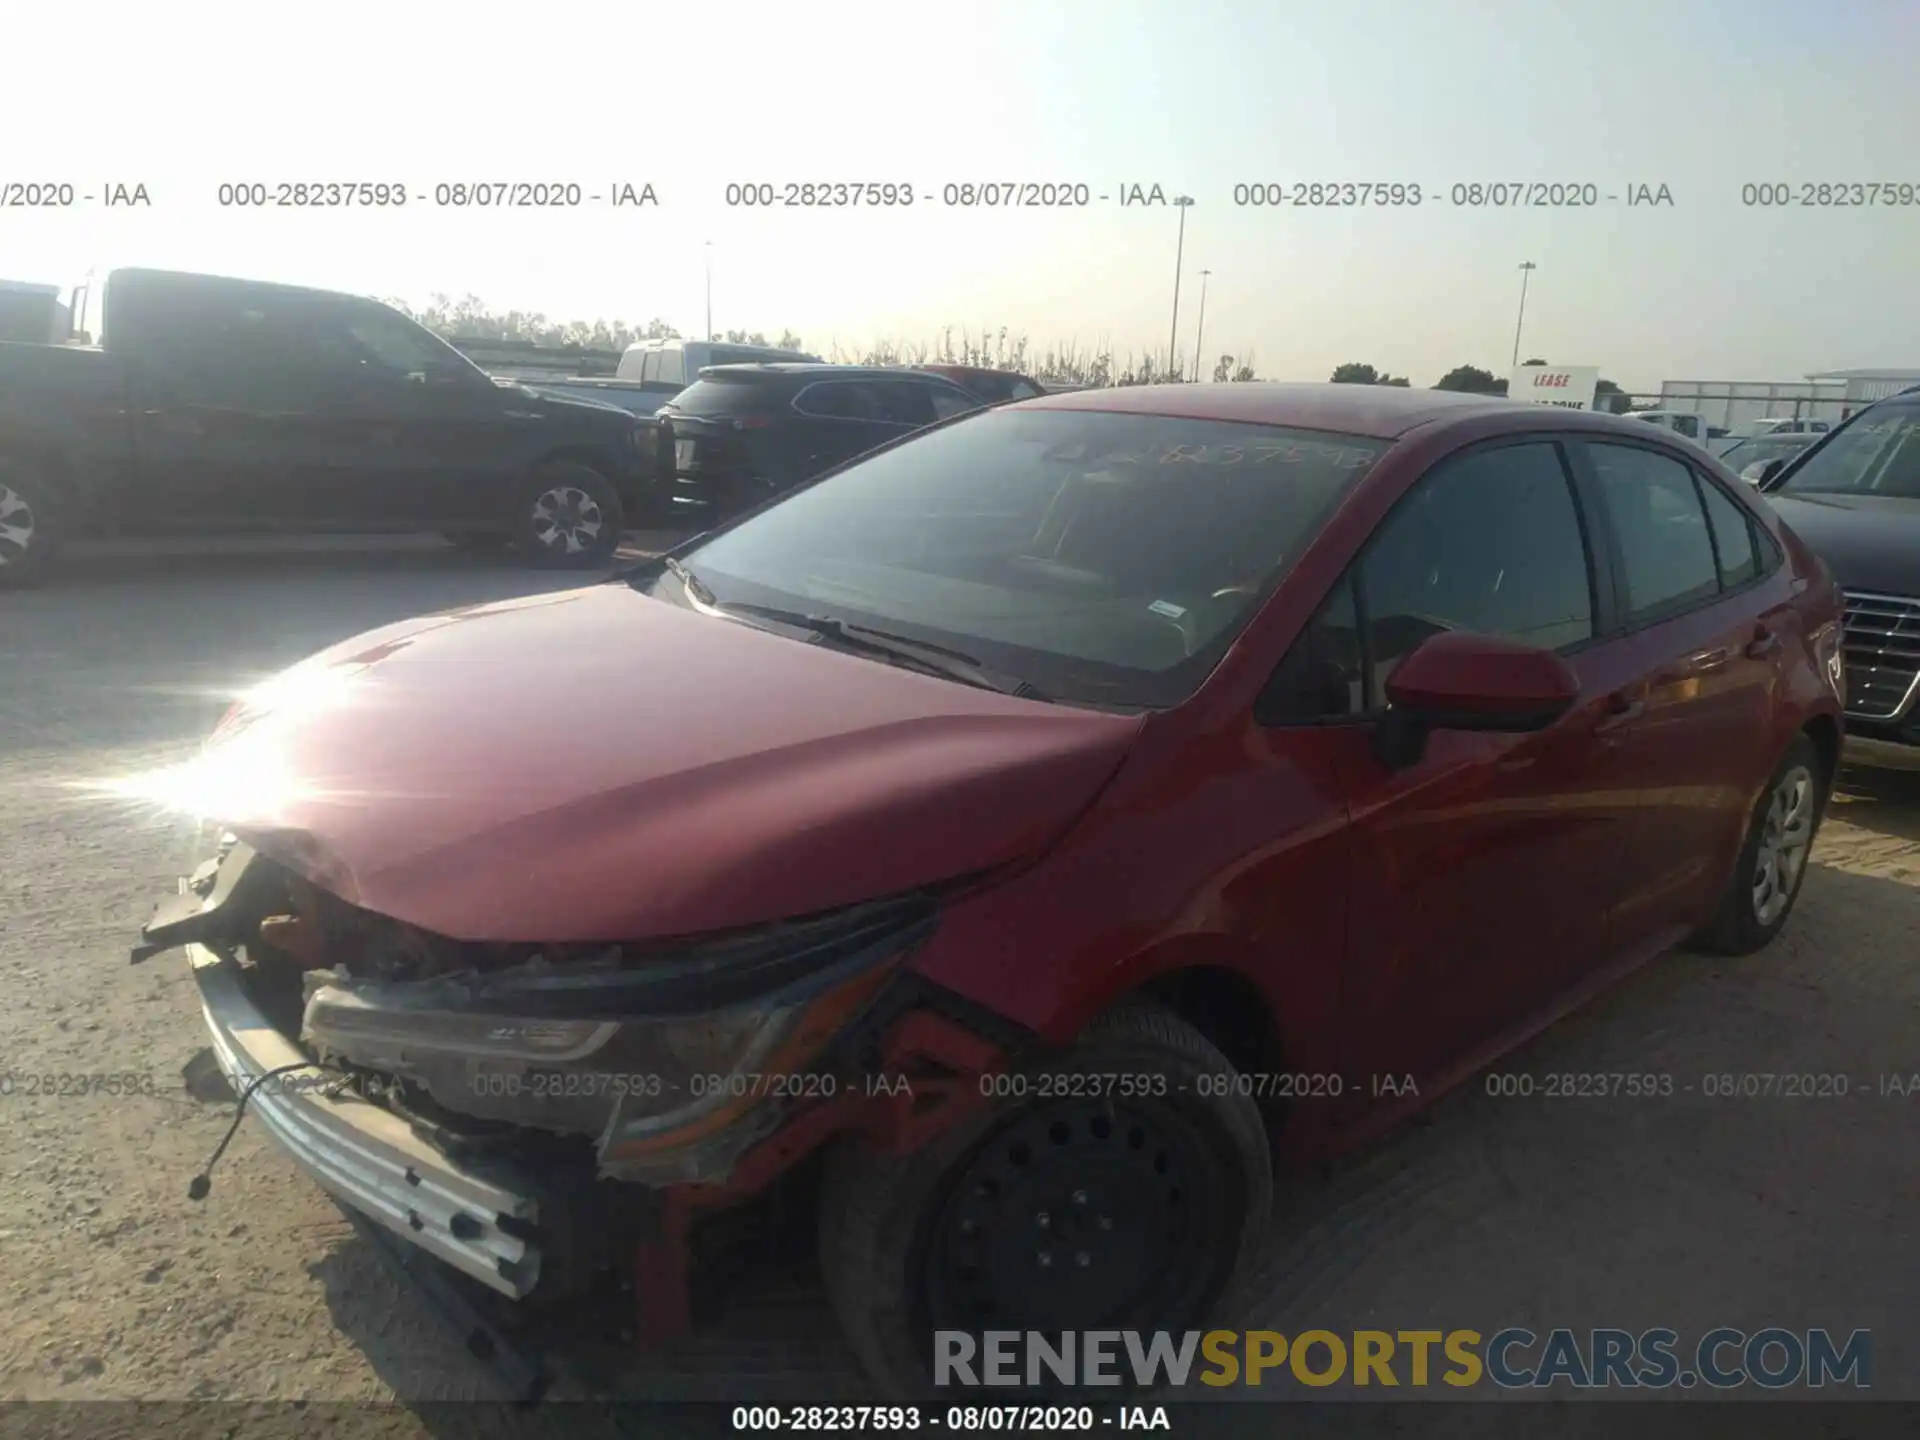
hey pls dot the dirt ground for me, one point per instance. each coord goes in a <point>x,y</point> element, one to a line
<point>1689,1212</point>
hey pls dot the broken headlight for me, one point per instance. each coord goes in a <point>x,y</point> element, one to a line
<point>645,1058</point>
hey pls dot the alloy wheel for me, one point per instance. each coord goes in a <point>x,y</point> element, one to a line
<point>567,520</point>
<point>16,525</point>
<point>1786,835</point>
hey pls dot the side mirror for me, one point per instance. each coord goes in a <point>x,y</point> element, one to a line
<point>1463,681</point>
<point>1761,471</point>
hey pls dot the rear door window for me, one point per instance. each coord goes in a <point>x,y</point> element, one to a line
<point>1733,543</point>
<point>1666,549</point>
<point>948,400</point>
<point>840,400</point>
<point>905,402</point>
<point>666,367</point>
<point>247,347</point>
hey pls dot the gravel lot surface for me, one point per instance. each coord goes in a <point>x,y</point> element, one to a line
<point>1688,1212</point>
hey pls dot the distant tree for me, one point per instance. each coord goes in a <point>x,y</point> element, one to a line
<point>1354,373</point>
<point>1471,380</point>
<point>1525,363</point>
<point>1226,369</point>
<point>469,318</point>
<point>997,348</point>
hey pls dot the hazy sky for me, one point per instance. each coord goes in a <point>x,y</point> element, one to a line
<point>1193,95</point>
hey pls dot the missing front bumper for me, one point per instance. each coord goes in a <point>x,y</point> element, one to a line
<point>366,1156</point>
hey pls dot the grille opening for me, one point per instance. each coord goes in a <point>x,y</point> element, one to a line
<point>1881,651</point>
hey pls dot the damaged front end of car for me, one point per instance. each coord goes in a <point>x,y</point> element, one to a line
<point>541,1114</point>
<point>672,1059</point>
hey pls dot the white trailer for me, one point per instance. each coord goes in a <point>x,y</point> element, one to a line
<point>1738,406</point>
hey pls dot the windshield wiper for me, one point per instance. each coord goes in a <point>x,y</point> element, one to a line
<point>935,659</point>
<point>687,579</point>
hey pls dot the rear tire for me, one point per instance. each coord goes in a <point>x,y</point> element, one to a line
<point>30,531</point>
<point>1161,1201</point>
<point>570,517</point>
<point>1772,864</point>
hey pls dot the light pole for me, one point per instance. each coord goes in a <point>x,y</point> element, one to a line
<point>1200,329</point>
<point>1527,267</point>
<point>709,250</point>
<point>1180,250</point>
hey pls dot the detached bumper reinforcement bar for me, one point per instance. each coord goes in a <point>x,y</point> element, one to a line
<point>365,1156</point>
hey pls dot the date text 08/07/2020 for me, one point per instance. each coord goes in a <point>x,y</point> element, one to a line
<point>964,1419</point>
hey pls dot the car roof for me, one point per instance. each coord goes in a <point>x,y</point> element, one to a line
<point>820,369</point>
<point>143,277</point>
<point>1381,411</point>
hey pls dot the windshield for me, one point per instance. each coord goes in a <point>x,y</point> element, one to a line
<point>1878,454</point>
<point>1105,559</point>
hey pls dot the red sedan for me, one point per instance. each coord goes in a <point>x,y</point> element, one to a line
<point>1058,824</point>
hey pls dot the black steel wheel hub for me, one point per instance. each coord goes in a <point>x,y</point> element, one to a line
<point>1078,1215</point>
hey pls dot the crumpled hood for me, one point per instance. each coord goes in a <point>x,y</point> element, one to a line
<point>599,765</point>
<point>1870,542</point>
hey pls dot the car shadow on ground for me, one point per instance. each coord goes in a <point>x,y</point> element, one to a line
<point>776,1340</point>
<point>1884,801</point>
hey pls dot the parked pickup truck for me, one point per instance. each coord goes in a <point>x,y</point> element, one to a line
<point>652,372</point>
<point>217,405</point>
<point>31,312</point>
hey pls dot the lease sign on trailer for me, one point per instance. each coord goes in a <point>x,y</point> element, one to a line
<point>1570,387</point>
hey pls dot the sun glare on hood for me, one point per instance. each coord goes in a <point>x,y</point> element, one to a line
<point>245,769</point>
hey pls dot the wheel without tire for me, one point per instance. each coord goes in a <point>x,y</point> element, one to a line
<point>571,517</point>
<point>29,525</point>
<point>1773,858</point>
<point>1072,1207</point>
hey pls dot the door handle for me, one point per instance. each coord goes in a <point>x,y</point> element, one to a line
<point>1705,662</point>
<point>1764,645</point>
<point>1620,709</point>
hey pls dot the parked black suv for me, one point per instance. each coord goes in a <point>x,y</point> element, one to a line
<point>1855,498</point>
<point>218,405</point>
<point>742,433</point>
